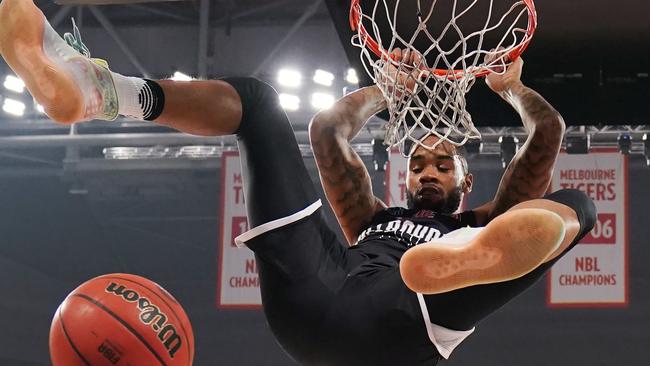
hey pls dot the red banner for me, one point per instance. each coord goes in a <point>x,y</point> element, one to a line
<point>595,272</point>
<point>238,282</point>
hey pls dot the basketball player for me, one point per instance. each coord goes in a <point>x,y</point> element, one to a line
<point>325,303</point>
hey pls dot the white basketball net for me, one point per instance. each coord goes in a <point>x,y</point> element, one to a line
<point>434,104</point>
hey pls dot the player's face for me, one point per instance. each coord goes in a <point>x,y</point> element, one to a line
<point>436,180</point>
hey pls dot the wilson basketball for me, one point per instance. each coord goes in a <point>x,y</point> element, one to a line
<point>121,319</point>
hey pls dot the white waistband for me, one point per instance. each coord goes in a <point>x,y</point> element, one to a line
<point>241,240</point>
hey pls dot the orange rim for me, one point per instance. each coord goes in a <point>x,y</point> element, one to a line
<point>371,43</point>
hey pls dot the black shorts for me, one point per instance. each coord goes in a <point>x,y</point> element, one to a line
<point>328,304</point>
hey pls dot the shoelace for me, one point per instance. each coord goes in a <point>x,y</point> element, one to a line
<point>74,40</point>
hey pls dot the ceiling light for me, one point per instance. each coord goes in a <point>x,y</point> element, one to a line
<point>323,77</point>
<point>322,100</point>
<point>14,84</point>
<point>290,78</point>
<point>289,102</point>
<point>352,77</point>
<point>13,107</point>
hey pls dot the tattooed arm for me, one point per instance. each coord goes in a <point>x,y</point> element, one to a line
<point>344,176</point>
<point>529,173</point>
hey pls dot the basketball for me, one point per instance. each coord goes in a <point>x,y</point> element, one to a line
<point>121,319</point>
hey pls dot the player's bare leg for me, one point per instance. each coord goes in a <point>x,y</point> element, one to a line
<point>191,107</point>
<point>73,88</point>
<point>512,245</point>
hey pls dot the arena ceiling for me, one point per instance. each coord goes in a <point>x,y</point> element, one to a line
<point>591,59</point>
<point>616,30</point>
<point>155,12</point>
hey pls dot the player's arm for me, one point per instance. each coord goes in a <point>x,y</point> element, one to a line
<point>344,177</point>
<point>529,173</point>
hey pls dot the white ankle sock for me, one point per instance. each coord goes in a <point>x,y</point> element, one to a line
<point>128,91</point>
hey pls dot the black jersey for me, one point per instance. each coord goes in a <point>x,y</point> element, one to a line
<point>390,323</point>
<point>400,228</point>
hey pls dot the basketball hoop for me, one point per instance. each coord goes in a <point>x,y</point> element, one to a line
<point>458,41</point>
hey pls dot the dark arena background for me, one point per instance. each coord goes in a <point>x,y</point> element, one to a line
<point>132,197</point>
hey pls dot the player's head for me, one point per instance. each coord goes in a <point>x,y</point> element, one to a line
<point>437,179</point>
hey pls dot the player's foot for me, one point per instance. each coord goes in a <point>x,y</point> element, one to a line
<point>70,86</point>
<point>509,247</point>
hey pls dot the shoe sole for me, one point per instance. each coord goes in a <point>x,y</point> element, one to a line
<point>511,246</point>
<point>22,27</point>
